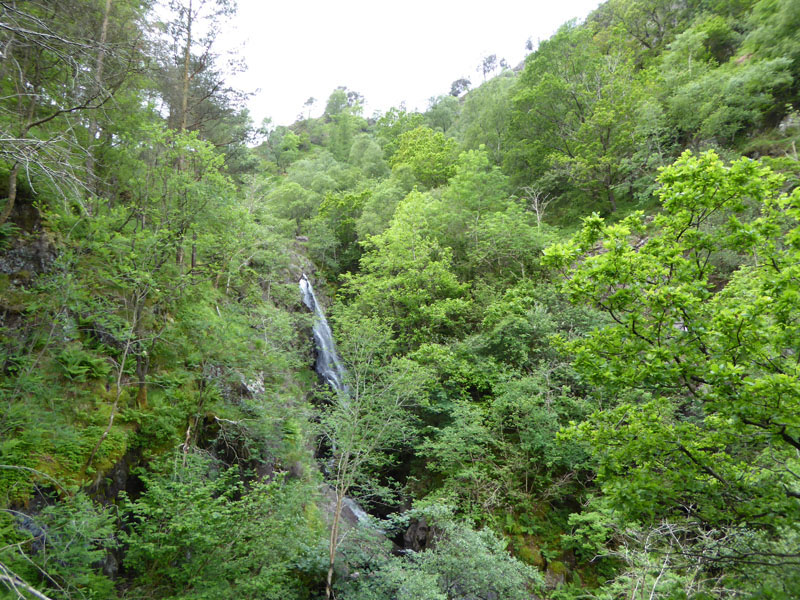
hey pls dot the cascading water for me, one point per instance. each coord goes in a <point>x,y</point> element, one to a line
<point>328,366</point>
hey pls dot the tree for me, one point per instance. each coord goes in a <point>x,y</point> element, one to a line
<point>291,201</point>
<point>705,431</point>
<point>706,101</point>
<point>53,70</point>
<point>537,201</point>
<point>339,212</point>
<point>392,125</point>
<point>406,278</point>
<point>58,550</point>
<point>459,86</point>
<point>379,208</point>
<point>365,424</point>
<point>442,112</point>
<point>463,563</point>
<point>367,154</point>
<point>650,25</point>
<point>429,153</point>
<point>488,65</point>
<point>198,530</point>
<point>573,115</point>
<point>192,83</point>
<point>775,34</point>
<point>485,118</point>
<point>308,105</point>
<point>343,100</point>
<point>475,190</point>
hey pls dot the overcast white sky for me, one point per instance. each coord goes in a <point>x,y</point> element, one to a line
<point>388,51</point>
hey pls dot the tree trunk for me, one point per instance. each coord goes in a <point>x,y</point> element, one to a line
<point>142,365</point>
<point>337,513</point>
<point>612,200</point>
<point>142,360</point>
<point>186,55</point>
<point>98,82</point>
<point>12,194</point>
<point>194,252</point>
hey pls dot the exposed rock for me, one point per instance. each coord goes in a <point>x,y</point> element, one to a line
<point>568,558</point>
<point>254,388</point>
<point>350,516</point>
<point>111,565</point>
<point>789,122</point>
<point>38,533</point>
<point>418,536</point>
<point>555,575</point>
<point>297,470</point>
<point>109,484</point>
<point>27,255</point>
<point>102,334</point>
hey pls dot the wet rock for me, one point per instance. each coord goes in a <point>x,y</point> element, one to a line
<point>28,524</point>
<point>108,485</point>
<point>418,536</point>
<point>348,518</point>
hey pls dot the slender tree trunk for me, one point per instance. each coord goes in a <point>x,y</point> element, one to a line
<point>98,82</point>
<point>186,56</point>
<point>142,360</point>
<point>12,176</point>
<point>12,194</point>
<point>184,116</point>
<point>332,544</point>
<point>194,252</point>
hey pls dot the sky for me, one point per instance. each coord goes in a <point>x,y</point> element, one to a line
<point>390,52</point>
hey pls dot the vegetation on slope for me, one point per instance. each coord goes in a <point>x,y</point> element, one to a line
<point>567,300</point>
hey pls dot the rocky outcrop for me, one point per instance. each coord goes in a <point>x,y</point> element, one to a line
<point>26,256</point>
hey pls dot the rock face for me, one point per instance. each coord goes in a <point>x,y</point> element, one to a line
<point>352,513</point>
<point>27,255</point>
<point>418,536</point>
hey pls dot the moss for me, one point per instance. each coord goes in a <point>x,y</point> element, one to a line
<point>557,567</point>
<point>527,550</point>
<point>12,299</point>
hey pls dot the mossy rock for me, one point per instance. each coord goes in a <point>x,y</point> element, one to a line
<point>12,299</point>
<point>556,574</point>
<point>527,550</point>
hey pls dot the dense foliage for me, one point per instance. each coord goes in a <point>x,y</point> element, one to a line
<point>567,303</point>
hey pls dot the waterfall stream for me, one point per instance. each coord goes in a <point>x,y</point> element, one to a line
<point>329,368</point>
<point>328,365</point>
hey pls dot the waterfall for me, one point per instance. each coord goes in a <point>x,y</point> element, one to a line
<point>330,368</point>
<point>328,365</point>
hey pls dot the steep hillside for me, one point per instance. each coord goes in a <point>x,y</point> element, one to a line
<point>565,303</point>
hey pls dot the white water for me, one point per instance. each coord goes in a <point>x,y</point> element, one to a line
<point>328,365</point>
